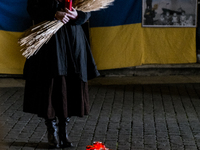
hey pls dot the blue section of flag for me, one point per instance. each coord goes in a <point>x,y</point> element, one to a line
<point>13,15</point>
<point>121,13</point>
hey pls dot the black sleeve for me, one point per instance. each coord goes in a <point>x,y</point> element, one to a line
<point>40,10</point>
<point>82,18</point>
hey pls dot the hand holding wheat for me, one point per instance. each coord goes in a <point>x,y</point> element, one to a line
<point>62,16</point>
<point>34,38</point>
<point>66,14</point>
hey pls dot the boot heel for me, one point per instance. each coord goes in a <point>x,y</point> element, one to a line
<point>52,133</point>
<point>64,138</point>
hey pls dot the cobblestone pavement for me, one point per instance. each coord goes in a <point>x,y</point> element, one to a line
<point>124,117</point>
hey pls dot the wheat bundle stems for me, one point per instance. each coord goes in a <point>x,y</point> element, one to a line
<point>91,5</point>
<point>38,36</point>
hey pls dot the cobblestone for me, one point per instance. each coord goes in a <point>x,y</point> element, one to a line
<point>124,117</point>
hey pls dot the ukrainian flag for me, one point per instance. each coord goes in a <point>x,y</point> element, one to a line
<point>119,40</point>
<point>14,19</point>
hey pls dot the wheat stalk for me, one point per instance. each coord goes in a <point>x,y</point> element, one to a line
<point>35,37</point>
<point>91,5</point>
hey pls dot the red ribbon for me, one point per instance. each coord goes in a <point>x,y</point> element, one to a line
<point>68,4</point>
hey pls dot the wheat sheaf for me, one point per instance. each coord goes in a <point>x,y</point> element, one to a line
<point>35,37</point>
<point>91,5</point>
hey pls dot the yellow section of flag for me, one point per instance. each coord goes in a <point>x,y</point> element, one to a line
<point>117,47</point>
<point>131,45</point>
<point>12,61</point>
<point>169,45</point>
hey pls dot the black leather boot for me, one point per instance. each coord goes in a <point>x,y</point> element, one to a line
<point>53,133</point>
<point>64,138</point>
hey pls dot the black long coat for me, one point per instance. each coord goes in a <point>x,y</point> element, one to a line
<point>69,42</point>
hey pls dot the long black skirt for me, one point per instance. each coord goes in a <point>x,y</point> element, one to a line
<point>62,96</point>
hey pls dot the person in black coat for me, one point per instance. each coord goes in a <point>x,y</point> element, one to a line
<point>56,77</point>
<point>149,4</point>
